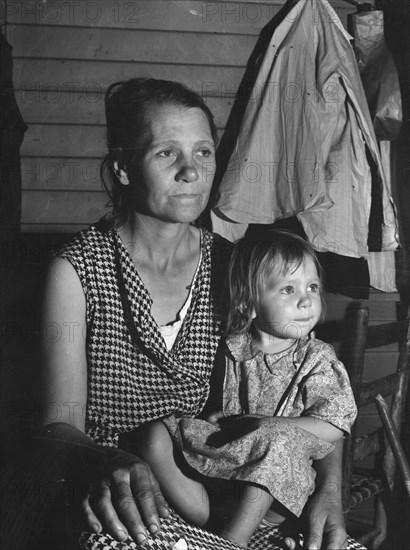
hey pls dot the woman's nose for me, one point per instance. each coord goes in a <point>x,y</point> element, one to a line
<point>187,172</point>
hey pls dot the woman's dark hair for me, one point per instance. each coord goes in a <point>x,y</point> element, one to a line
<point>127,110</point>
<point>253,259</point>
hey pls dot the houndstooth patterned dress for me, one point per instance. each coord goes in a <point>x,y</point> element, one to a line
<point>132,377</point>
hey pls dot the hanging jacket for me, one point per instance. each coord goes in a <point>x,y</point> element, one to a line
<point>301,148</point>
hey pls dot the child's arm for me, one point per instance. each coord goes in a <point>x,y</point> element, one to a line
<point>316,426</point>
<point>328,402</point>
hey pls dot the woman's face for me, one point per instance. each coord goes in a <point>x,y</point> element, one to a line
<point>177,168</point>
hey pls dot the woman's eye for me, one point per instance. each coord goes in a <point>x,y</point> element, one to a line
<point>166,153</point>
<point>205,152</point>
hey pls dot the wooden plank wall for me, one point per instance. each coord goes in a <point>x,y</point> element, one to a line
<point>66,52</point>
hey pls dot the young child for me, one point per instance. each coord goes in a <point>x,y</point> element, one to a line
<point>286,397</point>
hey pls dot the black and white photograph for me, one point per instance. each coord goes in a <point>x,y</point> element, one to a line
<point>205,274</point>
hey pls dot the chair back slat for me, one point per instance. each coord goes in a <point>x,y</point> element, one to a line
<point>335,331</point>
<point>367,445</point>
<point>386,334</point>
<point>384,386</point>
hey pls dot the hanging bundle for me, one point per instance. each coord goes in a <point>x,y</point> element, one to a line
<point>378,73</point>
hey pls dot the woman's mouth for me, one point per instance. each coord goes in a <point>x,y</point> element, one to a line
<point>186,196</point>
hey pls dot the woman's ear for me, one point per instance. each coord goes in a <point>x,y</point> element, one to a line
<point>121,174</point>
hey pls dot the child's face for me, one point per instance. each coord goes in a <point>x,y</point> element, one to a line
<point>289,305</point>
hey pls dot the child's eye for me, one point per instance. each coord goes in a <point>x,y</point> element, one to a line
<point>287,289</point>
<point>314,287</point>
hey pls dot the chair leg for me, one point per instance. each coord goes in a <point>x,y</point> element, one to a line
<point>375,536</point>
<point>395,444</point>
<point>380,521</point>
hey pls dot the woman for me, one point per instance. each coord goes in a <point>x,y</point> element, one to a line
<point>142,287</point>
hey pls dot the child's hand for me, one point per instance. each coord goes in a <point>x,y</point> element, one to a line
<point>215,417</point>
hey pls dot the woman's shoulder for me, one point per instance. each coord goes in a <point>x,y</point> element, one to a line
<point>92,255</point>
<point>216,238</point>
<point>87,243</point>
<point>220,247</point>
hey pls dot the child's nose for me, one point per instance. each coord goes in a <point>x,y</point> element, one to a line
<point>304,300</point>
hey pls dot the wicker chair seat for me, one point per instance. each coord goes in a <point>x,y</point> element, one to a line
<point>175,528</point>
<point>363,486</point>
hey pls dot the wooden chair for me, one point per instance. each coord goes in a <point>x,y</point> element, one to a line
<point>394,440</point>
<point>354,337</point>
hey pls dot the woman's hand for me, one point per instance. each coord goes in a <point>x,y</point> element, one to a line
<point>126,499</point>
<point>323,526</point>
<point>324,522</point>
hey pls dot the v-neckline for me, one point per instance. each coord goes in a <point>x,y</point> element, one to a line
<point>130,261</point>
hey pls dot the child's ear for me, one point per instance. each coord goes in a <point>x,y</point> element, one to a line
<point>248,310</point>
<point>121,173</point>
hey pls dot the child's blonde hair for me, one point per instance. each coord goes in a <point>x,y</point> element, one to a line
<point>252,260</point>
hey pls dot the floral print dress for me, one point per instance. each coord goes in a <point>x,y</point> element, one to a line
<point>305,380</point>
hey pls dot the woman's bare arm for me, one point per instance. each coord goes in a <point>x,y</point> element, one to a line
<point>126,487</point>
<point>64,350</point>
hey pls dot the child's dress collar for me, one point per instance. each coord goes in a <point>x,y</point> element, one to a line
<point>243,348</point>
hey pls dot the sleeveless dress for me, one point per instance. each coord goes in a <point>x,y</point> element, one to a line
<point>132,377</point>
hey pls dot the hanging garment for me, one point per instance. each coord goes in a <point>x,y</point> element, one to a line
<point>378,73</point>
<point>382,88</point>
<point>301,149</point>
<point>382,267</point>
